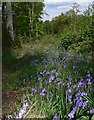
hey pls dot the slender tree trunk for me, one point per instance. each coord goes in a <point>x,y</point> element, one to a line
<point>30,22</point>
<point>30,19</point>
<point>31,13</point>
<point>10,20</point>
<point>36,30</point>
<point>32,16</point>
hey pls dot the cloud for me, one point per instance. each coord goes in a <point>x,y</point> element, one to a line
<point>56,7</point>
<point>83,1</point>
<point>55,1</point>
<point>79,1</point>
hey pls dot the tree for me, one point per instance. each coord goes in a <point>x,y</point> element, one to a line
<point>28,17</point>
<point>75,8</point>
<point>70,12</point>
<point>10,20</point>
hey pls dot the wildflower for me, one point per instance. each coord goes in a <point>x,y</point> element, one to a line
<point>56,74</point>
<point>56,80</point>
<point>34,90</point>
<point>35,60</point>
<point>55,117</point>
<point>51,78</point>
<point>43,92</point>
<point>31,94</point>
<point>70,99</point>
<point>77,58</point>
<point>25,105</point>
<point>47,73</point>
<point>88,74</point>
<point>89,81</point>
<point>74,86</point>
<point>91,111</point>
<point>59,83</point>
<point>64,65</point>
<point>70,78</point>
<point>53,71</point>
<point>41,73</point>
<point>39,78</point>
<point>44,71</point>
<point>9,117</point>
<point>72,113</point>
<point>73,67</point>
<point>83,94</point>
<point>80,84</point>
<point>69,90</point>
<point>84,104</point>
<point>66,59</point>
<point>24,96</point>
<point>79,104</point>
<point>22,110</point>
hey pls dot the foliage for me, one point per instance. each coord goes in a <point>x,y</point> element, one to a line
<point>53,74</point>
<point>26,19</point>
<point>48,78</point>
<point>61,86</point>
<point>80,41</point>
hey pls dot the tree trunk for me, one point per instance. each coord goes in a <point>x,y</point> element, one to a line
<point>30,19</point>
<point>32,15</point>
<point>36,30</point>
<point>9,20</point>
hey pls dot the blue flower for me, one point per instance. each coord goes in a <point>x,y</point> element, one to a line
<point>59,83</point>
<point>53,71</point>
<point>84,104</point>
<point>47,73</point>
<point>88,74</point>
<point>70,78</point>
<point>68,91</point>
<point>24,96</point>
<point>51,78</point>
<point>22,110</point>
<point>83,94</point>
<point>34,89</point>
<point>80,84</point>
<point>43,92</point>
<point>31,94</point>
<point>70,99</point>
<point>73,67</point>
<point>55,117</point>
<point>91,111</point>
<point>72,113</point>
<point>41,73</point>
<point>89,81</point>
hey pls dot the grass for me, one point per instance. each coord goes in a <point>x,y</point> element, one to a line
<point>32,65</point>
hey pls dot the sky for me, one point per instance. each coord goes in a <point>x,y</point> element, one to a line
<point>56,7</point>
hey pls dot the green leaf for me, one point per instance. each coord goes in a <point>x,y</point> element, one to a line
<point>92,117</point>
<point>83,118</point>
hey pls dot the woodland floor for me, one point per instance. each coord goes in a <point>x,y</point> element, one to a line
<point>12,63</point>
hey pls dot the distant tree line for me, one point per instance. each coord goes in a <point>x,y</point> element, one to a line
<point>75,30</point>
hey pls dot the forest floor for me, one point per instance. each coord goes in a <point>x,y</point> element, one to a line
<point>22,67</point>
<point>14,65</point>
